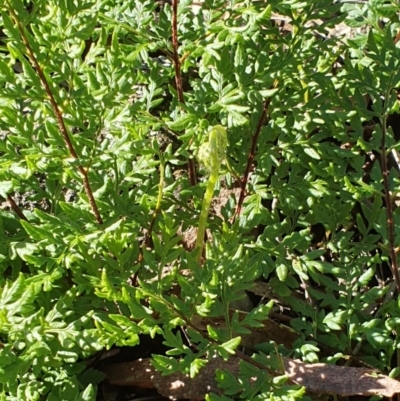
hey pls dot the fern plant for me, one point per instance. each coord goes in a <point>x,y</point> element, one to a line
<point>109,101</point>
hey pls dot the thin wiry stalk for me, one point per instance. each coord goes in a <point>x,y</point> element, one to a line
<point>178,77</point>
<point>17,210</point>
<point>388,200</point>
<point>250,159</point>
<point>60,121</point>
<point>157,209</point>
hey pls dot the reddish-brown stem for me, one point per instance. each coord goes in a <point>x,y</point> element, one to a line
<point>250,159</point>
<point>397,38</point>
<point>175,45</point>
<point>389,208</point>
<point>16,208</point>
<point>178,77</point>
<point>60,121</point>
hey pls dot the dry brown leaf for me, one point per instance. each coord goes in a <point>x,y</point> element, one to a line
<point>341,380</point>
<point>318,378</point>
<point>176,386</point>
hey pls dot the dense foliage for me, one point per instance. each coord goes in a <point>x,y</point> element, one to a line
<point>104,105</point>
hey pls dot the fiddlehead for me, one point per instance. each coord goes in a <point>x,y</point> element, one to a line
<point>211,154</point>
